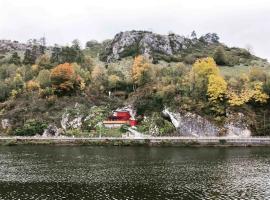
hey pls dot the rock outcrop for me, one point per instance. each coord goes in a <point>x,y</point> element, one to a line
<point>130,43</point>
<point>5,124</point>
<point>236,125</point>
<point>68,121</point>
<point>52,130</point>
<point>190,124</point>
<point>12,46</point>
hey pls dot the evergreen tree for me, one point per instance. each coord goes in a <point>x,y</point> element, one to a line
<point>193,35</point>
<point>28,58</point>
<point>56,53</point>
<point>15,59</point>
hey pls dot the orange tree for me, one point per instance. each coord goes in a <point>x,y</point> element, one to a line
<point>63,78</point>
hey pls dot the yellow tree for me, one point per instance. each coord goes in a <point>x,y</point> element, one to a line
<point>217,88</point>
<point>258,95</point>
<point>247,94</point>
<point>199,75</point>
<point>140,70</point>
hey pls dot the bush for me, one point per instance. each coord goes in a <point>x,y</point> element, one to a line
<point>31,128</point>
<point>220,56</point>
<point>190,59</point>
<point>44,78</point>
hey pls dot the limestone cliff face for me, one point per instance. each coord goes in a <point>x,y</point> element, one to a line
<point>147,43</point>
<point>190,124</point>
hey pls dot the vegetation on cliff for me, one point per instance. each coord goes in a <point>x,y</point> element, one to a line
<point>40,85</point>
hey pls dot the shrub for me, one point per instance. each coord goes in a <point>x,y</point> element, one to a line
<point>31,128</point>
<point>44,78</point>
<point>32,86</point>
<point>190,59</point>
<point>220,56</point>
<point>46,92</point>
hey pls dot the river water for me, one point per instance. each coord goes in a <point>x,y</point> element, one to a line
<point>53,172</point>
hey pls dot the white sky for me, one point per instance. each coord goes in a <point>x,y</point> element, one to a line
<point>237,22</point>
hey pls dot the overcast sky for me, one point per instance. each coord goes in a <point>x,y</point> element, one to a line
<point>237,22</point>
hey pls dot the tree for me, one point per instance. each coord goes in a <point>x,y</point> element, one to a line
<point>56,53</point>
<point>98,76</point>
<point>220,56</point>
<point>4,91</point>
<point>63,77</point>
<point>113,80</point>
<point>18,82</point>
<point>15,59</point>
<point>28,57</point>
<point>193,35</point>
<point>140,71</point>
<point>43,78</point>
<point>217,88</point>
<point>92,44</point>
<point>253,93</point>
<point>258,95</point>
<point>44,61</point>
<point>200,72</point>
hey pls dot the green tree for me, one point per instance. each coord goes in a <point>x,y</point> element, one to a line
<point>28,60</point>
<point>15,59</point>
<point>220,56</point>
<point>4,91</point>
<point>44,78</point>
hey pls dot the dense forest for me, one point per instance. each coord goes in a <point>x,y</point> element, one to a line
<point>41,83</point>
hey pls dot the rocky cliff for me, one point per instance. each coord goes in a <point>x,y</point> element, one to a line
<point>190,124</point>
<point>150,44</point>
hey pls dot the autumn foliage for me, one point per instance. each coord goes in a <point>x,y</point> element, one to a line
<point>253,93</point>
<point>140,70</point>
<point>217,88</point>
<point>63,77</point>
<point>32,85</point>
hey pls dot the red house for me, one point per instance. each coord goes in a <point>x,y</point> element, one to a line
<point>121,117</point>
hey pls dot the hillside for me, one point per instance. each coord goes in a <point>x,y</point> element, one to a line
<point>198,83</point>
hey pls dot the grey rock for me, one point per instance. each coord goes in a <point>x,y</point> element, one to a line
<point>190,124</point>
<point>52,130</point>
<point>236,125</point>
<point>147,43</point>
<point>5,124</point>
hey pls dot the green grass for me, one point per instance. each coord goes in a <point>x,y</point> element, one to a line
<point>236,71</point>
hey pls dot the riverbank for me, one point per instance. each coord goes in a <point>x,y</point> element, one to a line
<point>150,141</point>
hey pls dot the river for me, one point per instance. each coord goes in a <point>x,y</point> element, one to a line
<point>86,172</point>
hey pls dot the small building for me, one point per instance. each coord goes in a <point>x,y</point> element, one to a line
<point>124,116</point>
<point>115,124</point>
